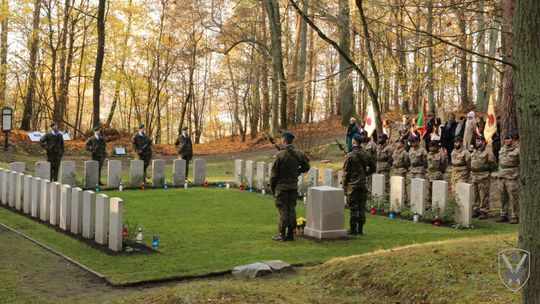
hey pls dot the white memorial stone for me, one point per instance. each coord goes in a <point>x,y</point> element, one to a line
<point>27,193</point>
<point>45,200</point>
<point>397,193</point>
<point>465,199</point>
<point>18,167</point>
<point>313,177</point>
<point>54,218</point>
<point>250,170</point>
<point>325,213</point>
<point>89,214</point>
<point>418,195</point>
<point>65,207</point>
<point>179,172</point>
<point>115,224</point>
<point>158,173</point>
<point>11,188</point>
<point>440,194</point>
<point>199,171</point>
<point>114,173</point>
<point>261,175</point>
<point>67,173</point>
<point>328,178</point>
<point>91,174</point>
<point>102,219</point>
<point>340,179</point>
<point>76,210</point>
<point>43,170</point>
<point>19,186</point>
<point>136,169</point>
<point>238,169</point>
<point>3,186</point>
<point>36,197</point>
<point>377,186</point>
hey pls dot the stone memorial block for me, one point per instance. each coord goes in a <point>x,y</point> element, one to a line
<point>102,219</point>
<point>440,194</point>
<point>250,171</point>
<point>261,175</point>
<point>35,205</point>
<point>325,213</point>
<point>199,171</point>
<point>238,170</point>
<point>76,217</point>
<point>43,170</point>
<point>115,223</point>
<point>65,207</point>
<point>19,186</point>
<point>301,181</point>
<point>397,193</point>
<point>91,174</point>
<point>464,201</point>
<point>270,165</point>
<point>328,178</point>
<point>377,186</point>
<point>11,188</point>
<point>418,195</point>
<point>158,173</point>
<point>54,218</point>
<point>27,193</point>
<point>179,172</point>
<point>67,173</point>
<point>136,170</point>
<point>114,173</point>
<point>3,180</point>
<point>18,167</point>
<point>45,200</point>
<point>340,179</point>
<point>89,214</point>
<point>313,177</point>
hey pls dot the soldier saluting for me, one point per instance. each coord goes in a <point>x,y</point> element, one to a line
<point>142,144</point>
<point>96,145</point>
<point>288,165</point>
<point>53,143</point>
<point>184,147</point>
<point>358,164</point>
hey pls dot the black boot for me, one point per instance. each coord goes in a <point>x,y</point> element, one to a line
<point>354,228</point>
<point>475,213</point>
<point>360,229</point>
<point>290,233</point>
<point>503,218</point>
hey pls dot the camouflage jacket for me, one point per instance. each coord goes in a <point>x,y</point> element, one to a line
<point>509,162</point>
<point>289,164</point>
<point>437,162</point>
<point>371,148</point>
<point>96,146</point>
<point>418,158</point>
<point>384,158</point>
<point>184,147</point>
<point>461,163</point>
<point>142,144</point>
<point>53,143</point>
<point>482,163</point>
<point>401,161</point>
<point>358,164</point>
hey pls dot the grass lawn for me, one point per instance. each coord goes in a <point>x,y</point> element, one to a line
<point>203,231</point>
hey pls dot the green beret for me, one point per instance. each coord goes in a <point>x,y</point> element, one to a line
<point>141,126</point>
<point>357,137</point>
<point>287,134</point>
<point>96,129</point>
<point>184,128</point>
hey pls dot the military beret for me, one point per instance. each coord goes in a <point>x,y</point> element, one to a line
<point>357,137</point>
<point>141,126</point>
<point>481,137</point>
<point>53,124</point>
<point>287,134</point>
<point>364,132</point>
<point>183,128</point>
<point>414,138</point>
<point>96,129</point>
<point>383,136</point>
<point>458,138</point>
<point>434,143</point>
<point>509,136</point>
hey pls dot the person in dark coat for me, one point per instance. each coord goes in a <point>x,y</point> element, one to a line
<point>97,146</point>
<point>184,147</point>
<point>429,125</point>
<point>352,129</point>
<point>460,127</point>
<point>447,137</point>
<point>142,144</point>
<point>53,143</point>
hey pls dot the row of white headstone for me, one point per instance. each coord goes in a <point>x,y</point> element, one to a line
<point>114,172</point>
<point>95,217</point>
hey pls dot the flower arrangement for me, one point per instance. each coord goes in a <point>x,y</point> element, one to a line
<point>300,225</point>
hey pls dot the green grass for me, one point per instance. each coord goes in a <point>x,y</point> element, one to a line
<point>204,231</point>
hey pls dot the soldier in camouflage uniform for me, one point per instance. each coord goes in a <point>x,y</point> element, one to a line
<point>371,148</point>
<point>53,143</point>
<point>142,144</point>
<point>184,147</point>
<point>508,178</point>
<point>437,164</point>
<point>384,160</point>
<point>289,164</point>
<point>97,146</point>
<point>400,157</point>
<point>461,163</point>
<point>482,164</point>
<point>418,158</point>
<point>358,164</point>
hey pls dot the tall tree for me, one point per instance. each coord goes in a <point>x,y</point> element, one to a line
<point>481,101</point>
<point>429,63</point>
<point>99,62</point>
<point>4,18</point>
<point>508,102</point>
<point>345,87</point>
<point>527,58</point>
<point>302,65</point>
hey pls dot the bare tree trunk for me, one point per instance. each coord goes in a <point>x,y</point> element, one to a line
<point>481,93</point>
<point>345,87</point>
<point>4,8</point>
<point>264,78</point>
<point>429,63</point>
<point>302,67</point>
<point>508,102</point>
<point>463,70</point>
<point>99,62</point>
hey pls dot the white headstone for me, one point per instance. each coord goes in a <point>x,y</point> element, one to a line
<point>313,177</point>
<point>114,173</point>
<point>89,214</point>
<point>102,219</point>
<point>36,197</point>
<point>250,171</point>
<point>301,180</point>
<point>91,174</point>
<point>45,200</point>
<point>440,194</point>
<point>18,167</point>
<point>11,188</point>
<point>325,213</point>
<point>179,172</point>
<point>238,164</point>
<point>115,224</point>
<point>54,218</point>
<point>158,173</point>
<point>465,199</point>
<point>378,186</point>
<point>19,186</point>
<point>418,195</point>
<point>397,193</point>
<point>67,173</point>
<point>340,179</point>
<point>261,175</point>
<point>136,169</point>
<point>27,194</point>
<point>3,186</point>
<point>328,178</point>
<point>199,171</point>
<point>65,207</point>
<point>270,165</point>
<point>76,210</point>
<point>43,170</point>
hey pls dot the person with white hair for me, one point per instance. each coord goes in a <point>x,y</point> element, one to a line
<point>469,136</point>
<point>351,130</point>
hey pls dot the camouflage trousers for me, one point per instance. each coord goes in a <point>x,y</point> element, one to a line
<point>509,197</point>
<point>356,199</point>
<point>481,193</point>
<point>286,205</point>
<point>455,181</point>
<point>55,160</point>
<point>368,184</point>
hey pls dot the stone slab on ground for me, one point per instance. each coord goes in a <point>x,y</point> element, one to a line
<point>252,270</point>
<point>278,265</point>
